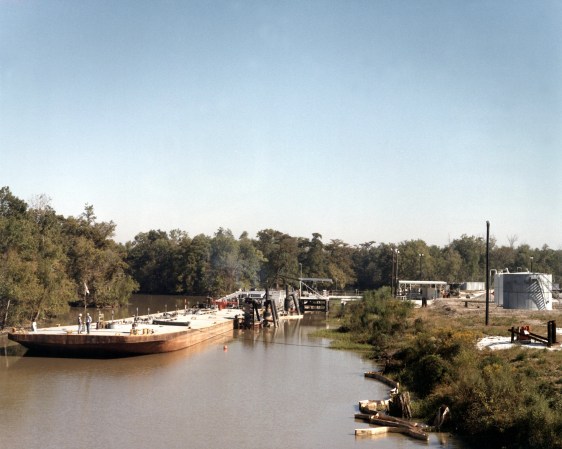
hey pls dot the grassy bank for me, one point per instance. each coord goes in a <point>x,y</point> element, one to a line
<point>498,399</point>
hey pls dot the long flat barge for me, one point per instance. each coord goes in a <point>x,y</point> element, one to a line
<point>122,338</point>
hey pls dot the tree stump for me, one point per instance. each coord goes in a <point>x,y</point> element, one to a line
<point>399,406</point>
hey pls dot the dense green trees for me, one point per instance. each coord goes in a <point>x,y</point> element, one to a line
<point>48,260</point>
<point>222,264</point>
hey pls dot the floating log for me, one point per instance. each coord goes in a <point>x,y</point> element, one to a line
<point>417,434</point>
<point>381,378</point>
<point>372,406</point>
<point>363,416</point>
<point>386,420</point>
<point>382,422</point>
<point>372,431</point>
<point>400,403</point>
<point>397,421</point>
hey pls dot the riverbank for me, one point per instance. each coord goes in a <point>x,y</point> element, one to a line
<point>510,398</point>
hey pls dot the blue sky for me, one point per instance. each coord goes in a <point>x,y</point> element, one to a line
<point>360,120</point>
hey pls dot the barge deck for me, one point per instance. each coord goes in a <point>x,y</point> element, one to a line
<point>123,338</point>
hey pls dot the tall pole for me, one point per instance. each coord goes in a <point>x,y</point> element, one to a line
<point>392,275</point>
<point>396,289</point>
<point>86,292</point>
<point>300,282</point>
<point>487,270</point>
<point>421,255</point>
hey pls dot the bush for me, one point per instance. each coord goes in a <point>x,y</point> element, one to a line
<point>430,371</point>
<point>377,318</point>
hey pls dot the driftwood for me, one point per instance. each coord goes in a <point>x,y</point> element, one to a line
<point>384,430</point>
<point>372,406</point>
<point>381,378</point>
<point>372,431</point>
<point>400,405</point>
<point>386,420</point>
<point>397,405</point>
<point>391,424</point>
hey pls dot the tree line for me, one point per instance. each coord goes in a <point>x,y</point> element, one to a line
<point>49,260</point>
<point>173,262</point>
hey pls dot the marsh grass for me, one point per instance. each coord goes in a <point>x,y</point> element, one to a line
<point>343,341</point>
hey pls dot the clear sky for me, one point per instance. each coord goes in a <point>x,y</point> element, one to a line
<point>363,121</point>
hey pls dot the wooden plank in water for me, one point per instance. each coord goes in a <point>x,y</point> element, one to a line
<point>372,431</point>
<point>386,429</point>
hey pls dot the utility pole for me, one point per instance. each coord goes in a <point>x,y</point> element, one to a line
<point>396,278</point>
<point>487,270</point>
<point>300,282</point>
<point>392,274</point>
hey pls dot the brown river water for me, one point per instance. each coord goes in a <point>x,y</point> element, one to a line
<point>273,388</point>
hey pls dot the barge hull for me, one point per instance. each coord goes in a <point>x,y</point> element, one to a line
<point>84,345</point>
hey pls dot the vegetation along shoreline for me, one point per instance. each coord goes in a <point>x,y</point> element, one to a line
<point>508,398</point>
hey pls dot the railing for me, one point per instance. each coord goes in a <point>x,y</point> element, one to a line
<point>539,283</point>
<point>545,280</point>
<point>537,294</point>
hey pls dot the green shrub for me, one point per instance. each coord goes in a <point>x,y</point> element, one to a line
<point>429,372</point>
<point>377,317</point>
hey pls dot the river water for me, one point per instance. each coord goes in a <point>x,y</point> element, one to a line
<point>274,388</point>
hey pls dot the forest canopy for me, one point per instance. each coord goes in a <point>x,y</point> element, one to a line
<point>49,260</point>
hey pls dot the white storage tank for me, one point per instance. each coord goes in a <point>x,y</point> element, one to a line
<point>524,290</point>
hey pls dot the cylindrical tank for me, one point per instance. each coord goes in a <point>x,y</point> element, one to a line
<point>498,289</point>
<point>523,290</point>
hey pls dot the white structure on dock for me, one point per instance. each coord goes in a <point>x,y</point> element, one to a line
<point>421,289</point>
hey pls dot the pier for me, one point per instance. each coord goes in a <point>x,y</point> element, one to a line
<point>322,303</point>
<point>315,304</point>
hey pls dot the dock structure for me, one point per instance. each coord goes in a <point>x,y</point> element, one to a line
<point>311,300</point>
<point>262,308</point>
<point>315,304</point>
<point>322,303</point>
<point>269,306</point>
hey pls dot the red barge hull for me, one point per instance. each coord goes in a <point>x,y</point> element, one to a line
<point>92,345</point>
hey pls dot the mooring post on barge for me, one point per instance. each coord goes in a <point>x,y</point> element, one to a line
<point>269,304</point>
